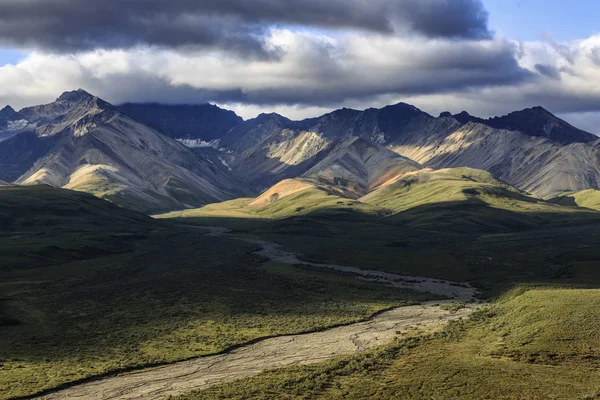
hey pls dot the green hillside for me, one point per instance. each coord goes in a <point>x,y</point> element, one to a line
<point>588,198</point>
<point>41,225</point>
<point>87,288</point>
<point>539,344</point>
<point>459,224</point>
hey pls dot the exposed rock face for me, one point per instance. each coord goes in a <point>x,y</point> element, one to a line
<point>548,158</point>
<point>82,142</point>
<point>271,148</point>
<point>8,114</point>
<point>11,122</point>
<point>535,165</point>
<point>203,122</point>
<point>537,122</point>
<point>359,166</point>
<point>351,168</point>
<point>72,112</point>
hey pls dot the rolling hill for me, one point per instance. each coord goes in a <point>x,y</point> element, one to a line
<point>41,225</point>
<point>89,289</point>
<point>456,200</point>
<point>586,198</point>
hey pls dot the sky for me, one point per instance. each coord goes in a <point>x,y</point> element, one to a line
<point>308,57</point>
<point>536,19</point>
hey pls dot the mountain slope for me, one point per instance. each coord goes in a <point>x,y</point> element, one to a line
<point>429,186</point>
<point>83,143</point>
<point>537,122</point>
<point>533,164</point>
<point>359,166</point>
<point>587,198</point>
<point>188,123</point>
<point>466,201</point>
<point>42,225</point>
<point>11,122</point>
<point>459,199</point>
<point>271,148</point>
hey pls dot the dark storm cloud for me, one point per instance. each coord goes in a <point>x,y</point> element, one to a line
<point>438,68</point>
<point>465,19</point>
<point>315,77</point>
<point>548,71</point>
<point>233,25</point>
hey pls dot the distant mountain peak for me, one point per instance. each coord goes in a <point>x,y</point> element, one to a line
<point>205,122</point>
<point>6,110</point>
<point>464,118</point>
<point>270,115</point>
<point>536,110</point>
<point>344,112</point>
<point>75,111</point>
<point>540,108</point>
<point>535,121</point>
<point>8,118</point>
<point>80,96</point>
<point>263,117</point>
<point>405,108</point>
<point>403,104</point>
<point>75,96</point>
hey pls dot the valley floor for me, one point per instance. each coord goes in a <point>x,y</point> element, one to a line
<point>171,294</point>
<point>535,344</point>
<point>537,264</point>
<point>278,352</point>
<point>285,351</point>
<point>103,292</point>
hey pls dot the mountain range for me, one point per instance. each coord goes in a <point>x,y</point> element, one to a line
<point>81,142</point>
<point>155,158</point>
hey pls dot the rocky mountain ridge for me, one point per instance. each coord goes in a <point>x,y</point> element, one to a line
<point>271,147</point>
<point>205,122</point>
<point>83,143</point>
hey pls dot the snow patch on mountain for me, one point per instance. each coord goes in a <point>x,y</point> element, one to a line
<point>14,126</point>
<point>199,143</point>
<point>225,163</point>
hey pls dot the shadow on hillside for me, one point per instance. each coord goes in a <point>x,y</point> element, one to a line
<point>564,201</point>
<point>491,247</point>
<point>180,286</point>
<point>262,171</point>
<point>179,295</point>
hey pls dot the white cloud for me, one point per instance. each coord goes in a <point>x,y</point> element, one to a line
<point>313,69</point>
<point>317,72</point>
